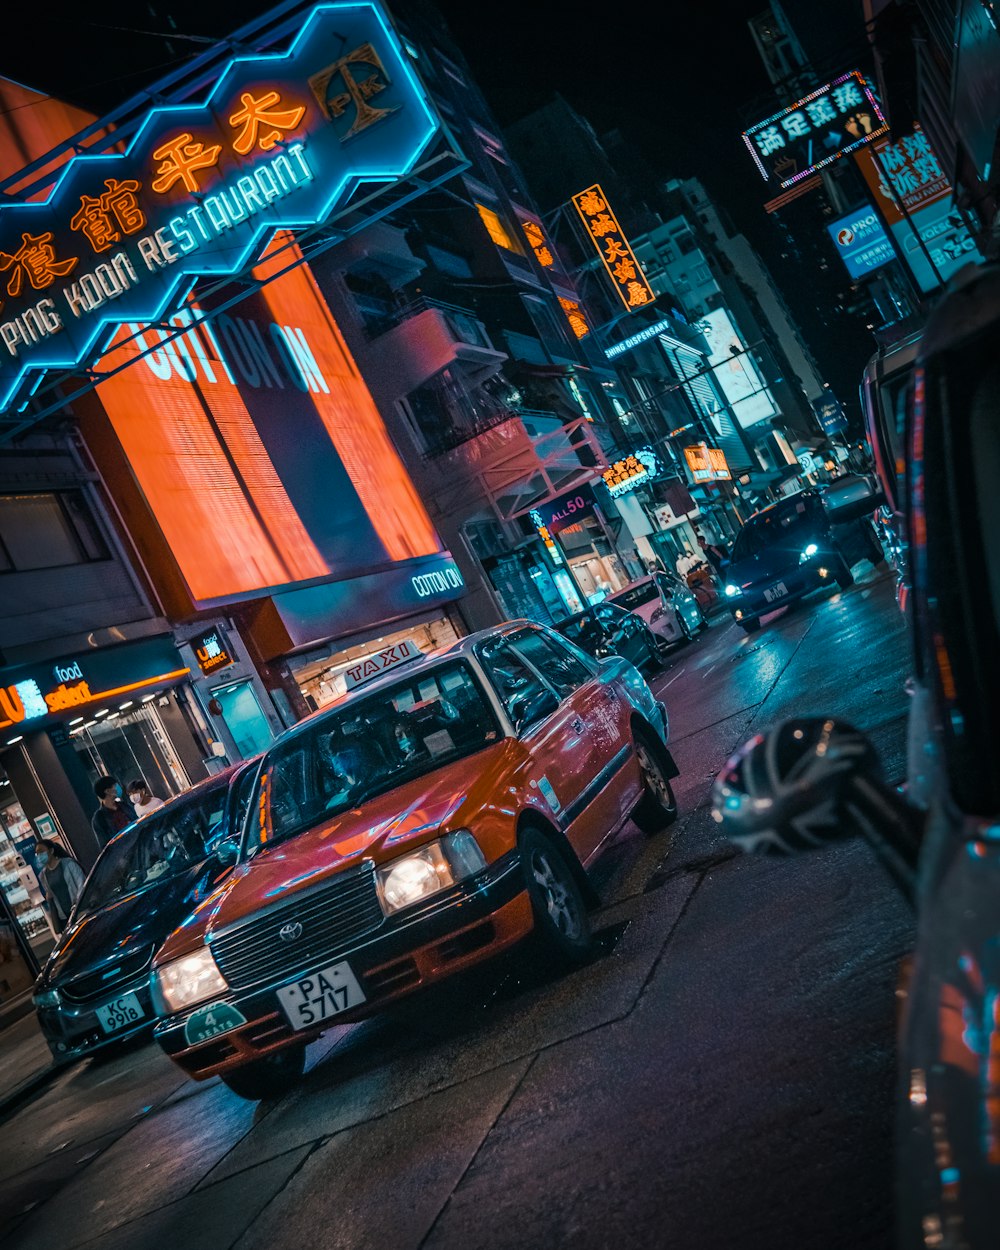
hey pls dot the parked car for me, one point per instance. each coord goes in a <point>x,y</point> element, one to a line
<point>666,604</point>
<point>809,782</point>
<point>424,823</point>
<point>787,551</point>
<point>94,988</point>
<point>608,629</point>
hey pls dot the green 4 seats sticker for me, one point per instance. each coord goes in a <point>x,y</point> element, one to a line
<point>208,1022</point>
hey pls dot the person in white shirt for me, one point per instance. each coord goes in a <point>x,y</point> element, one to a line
<point>142,798</point>
<point>687,562</point>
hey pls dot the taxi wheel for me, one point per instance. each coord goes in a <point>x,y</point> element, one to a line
<point>658,807</point>
<point>269,1077</point>
<point>561,921</point>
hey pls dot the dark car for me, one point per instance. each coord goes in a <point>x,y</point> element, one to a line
<point>608,629</point>
<point>811,781</point>
<point>94,988</point>
<point>785,552</point>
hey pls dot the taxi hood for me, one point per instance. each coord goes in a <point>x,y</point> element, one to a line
<point>413,812</point>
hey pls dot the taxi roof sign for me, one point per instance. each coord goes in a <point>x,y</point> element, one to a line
<point>371,666</point>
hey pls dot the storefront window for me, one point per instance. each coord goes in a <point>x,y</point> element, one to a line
<point>20,889</point>
<point>244,718</point>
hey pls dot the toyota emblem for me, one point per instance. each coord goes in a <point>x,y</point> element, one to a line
<point>289,932</point>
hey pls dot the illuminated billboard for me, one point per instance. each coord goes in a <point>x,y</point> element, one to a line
<point>735,370</point>
<point>257,446</point>
<point>861,242</point>
<point>280,140</point>
<point>631,471</point>
<point>914,196</point>
<point>822,127</point>
<point>707,464</point>
<point>613,248</point>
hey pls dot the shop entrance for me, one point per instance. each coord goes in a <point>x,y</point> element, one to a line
<point>129,744</point>
<point>244,718</point>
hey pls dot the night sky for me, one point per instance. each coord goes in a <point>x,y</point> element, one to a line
<point>679,80</point>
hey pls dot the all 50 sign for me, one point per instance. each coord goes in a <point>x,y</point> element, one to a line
<point>278,143</point>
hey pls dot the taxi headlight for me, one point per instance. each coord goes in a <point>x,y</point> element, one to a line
<point>807,553</point>
<point>732,590</point>
<point>188,980</point>
<point>425,871</point>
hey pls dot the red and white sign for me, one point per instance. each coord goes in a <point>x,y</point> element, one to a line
<point>371,666</point>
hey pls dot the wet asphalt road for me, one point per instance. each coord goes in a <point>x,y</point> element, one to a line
<point>721,1077</point>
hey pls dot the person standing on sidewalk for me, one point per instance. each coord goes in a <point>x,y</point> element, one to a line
<point>113,812</point>
<point>61,878</point>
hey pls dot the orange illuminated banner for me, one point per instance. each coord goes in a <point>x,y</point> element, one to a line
<point>613,248</point>
<point>707,464</point>
<point>575,316</point>
<point>257,446</point>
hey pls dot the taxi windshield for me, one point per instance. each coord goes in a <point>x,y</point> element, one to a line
<point>159,846</point>
<point>368,746</point>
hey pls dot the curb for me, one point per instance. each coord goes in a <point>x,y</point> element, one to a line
<point>27,1090</point>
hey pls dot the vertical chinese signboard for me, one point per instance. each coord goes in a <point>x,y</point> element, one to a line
<point>914,196</point>
<point>822,127</point>
<point>613,248</point>
<point>280,141</point>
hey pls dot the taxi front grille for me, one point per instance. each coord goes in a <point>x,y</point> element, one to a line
<point>99,984</point>
<point>332,917</point>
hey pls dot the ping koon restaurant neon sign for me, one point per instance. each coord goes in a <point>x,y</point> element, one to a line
<point>279,142</point>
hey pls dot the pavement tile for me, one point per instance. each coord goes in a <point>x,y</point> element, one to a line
<point>383,1183</point>
<point>211,1220</point>
<point>156,1162</point>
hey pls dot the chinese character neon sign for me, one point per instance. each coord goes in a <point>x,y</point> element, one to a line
<point>631,471</point>
<point>820,128</point>
<point>707,464</point>
<point>613,248</point>
<point>279,142</point>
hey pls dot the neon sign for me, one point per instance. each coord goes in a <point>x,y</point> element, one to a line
<point>279,142</point>
<point>707,464</point>
<point>821,127</point>
<point>613,248</point>
<point>631,471</point>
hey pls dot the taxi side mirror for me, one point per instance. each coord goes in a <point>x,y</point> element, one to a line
<point>227,852</point>
<point>528,709</point>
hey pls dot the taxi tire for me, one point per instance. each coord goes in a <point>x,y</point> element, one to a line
<point>844,576</point>
<point>750,625</point>
<point>562,925</point>
<point>658,806</point>
<point>269,1077</point>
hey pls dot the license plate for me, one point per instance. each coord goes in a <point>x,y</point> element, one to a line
<point>120,1013</point>
<point>777,591</point>
<point>321,996</point>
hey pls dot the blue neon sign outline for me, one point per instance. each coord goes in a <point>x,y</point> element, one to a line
<point>85,351</point>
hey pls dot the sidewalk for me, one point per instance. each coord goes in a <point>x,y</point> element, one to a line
<point>25,1061</point>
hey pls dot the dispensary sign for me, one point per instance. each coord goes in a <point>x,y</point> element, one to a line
<point>279,141</point>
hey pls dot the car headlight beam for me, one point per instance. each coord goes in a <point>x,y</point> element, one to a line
<point>192,979</point>
<point>428,870</point>
<point>732,591</point>
<point>808,552</point>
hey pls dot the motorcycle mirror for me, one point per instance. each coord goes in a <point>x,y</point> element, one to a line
<point>786,790</point>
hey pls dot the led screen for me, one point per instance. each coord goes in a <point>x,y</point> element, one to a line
<point>257,445</point>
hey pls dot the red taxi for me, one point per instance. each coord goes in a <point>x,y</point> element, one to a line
<point>424,823</point>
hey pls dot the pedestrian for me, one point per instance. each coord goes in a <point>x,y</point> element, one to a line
<point>113,813</point>
<point>718,557</point>
<point>143,800</point>
<point>686,562</point>
<point>61,878</point>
